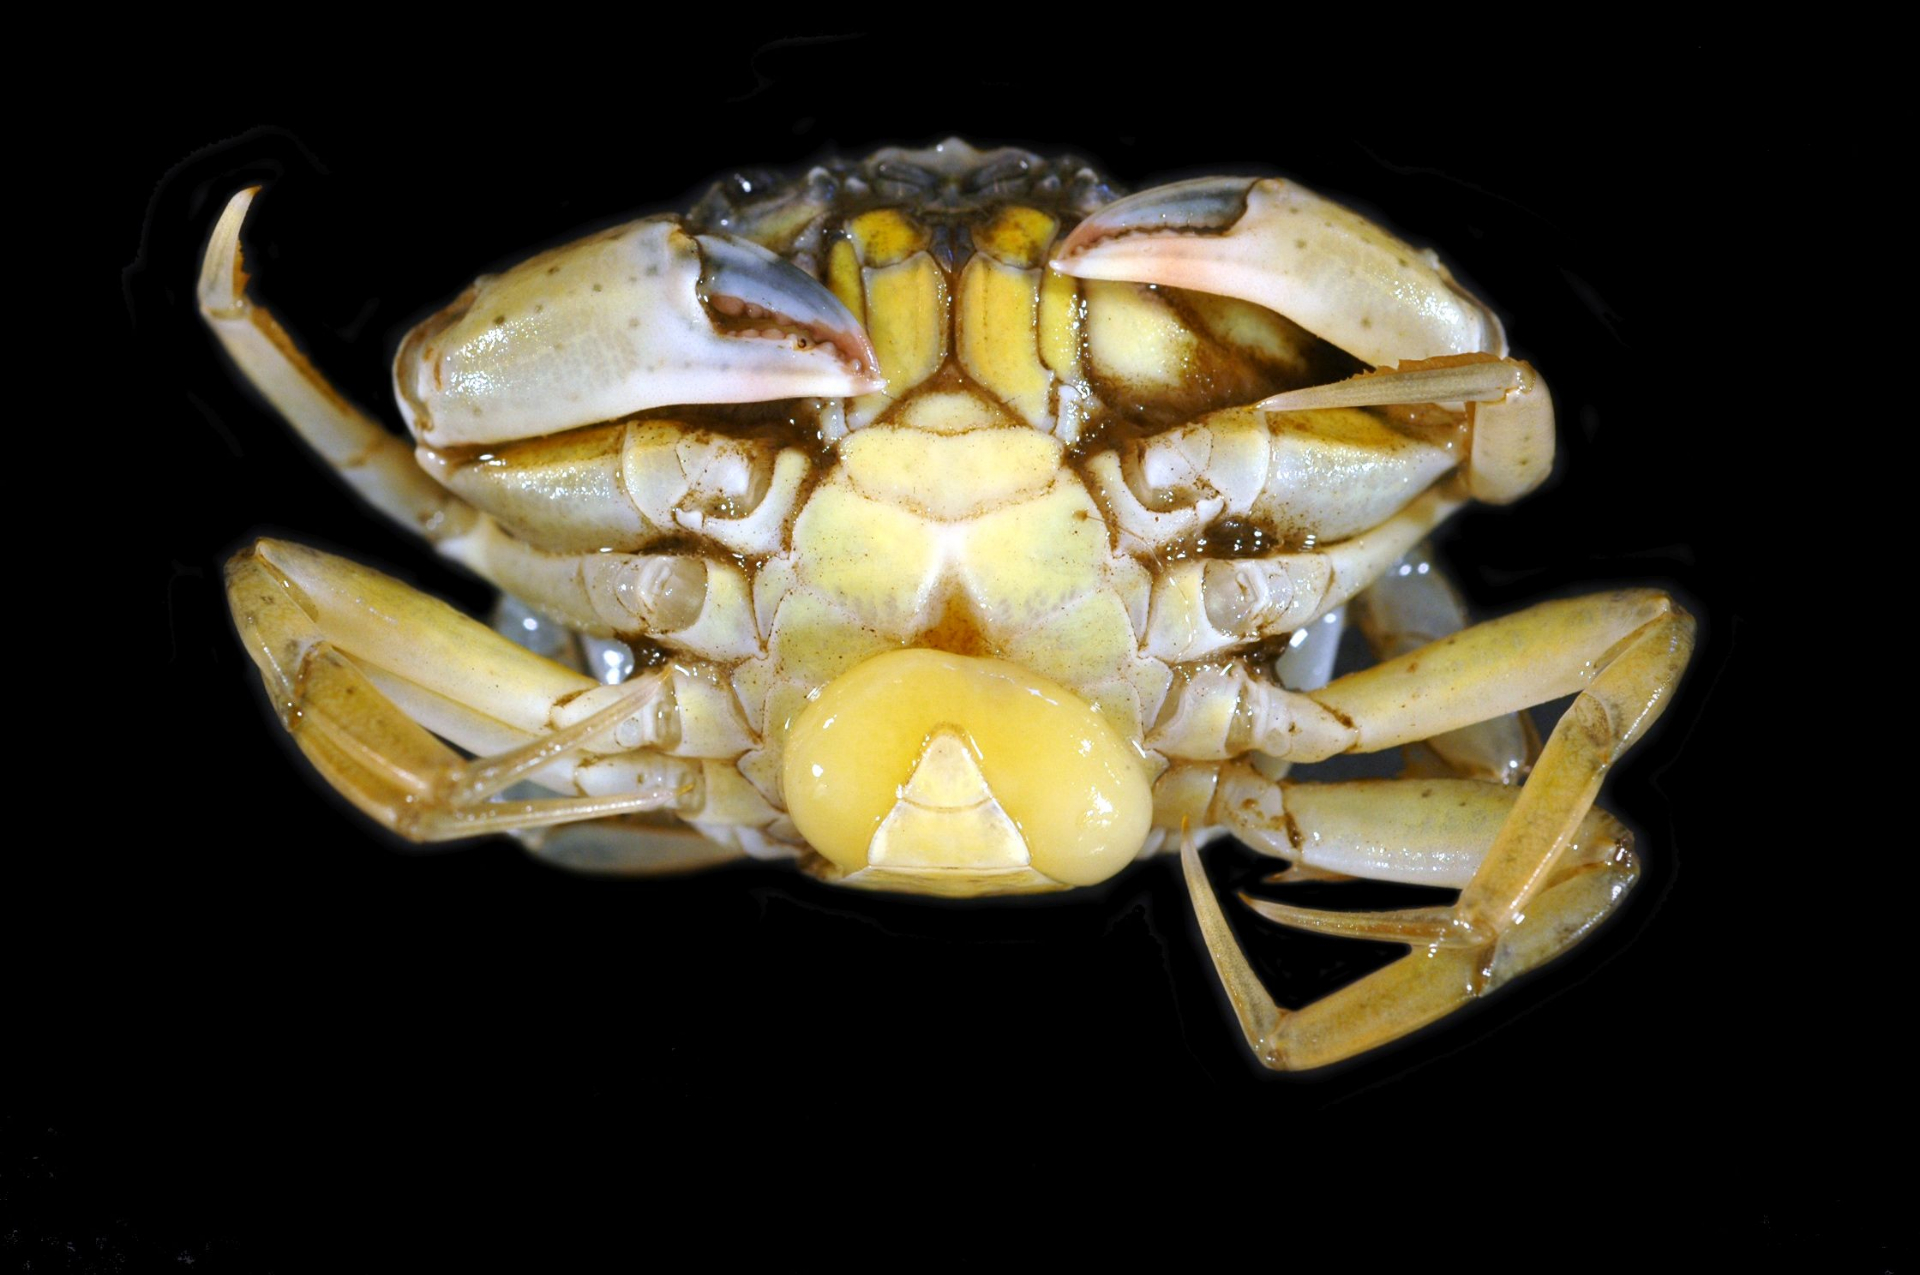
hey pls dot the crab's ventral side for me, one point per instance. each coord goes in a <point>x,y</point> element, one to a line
<point>949,525</point>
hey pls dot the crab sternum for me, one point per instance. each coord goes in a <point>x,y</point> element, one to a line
<point>950,527</point>
<point>959,510</point>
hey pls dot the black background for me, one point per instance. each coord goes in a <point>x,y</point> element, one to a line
<point>245,1001</point>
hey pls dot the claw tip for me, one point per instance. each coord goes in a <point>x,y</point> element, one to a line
<point>223,276</point>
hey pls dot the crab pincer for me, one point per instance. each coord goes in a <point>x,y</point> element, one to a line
<point>1279,245</point>
<point>644,315</point>
<point>1346,280</point>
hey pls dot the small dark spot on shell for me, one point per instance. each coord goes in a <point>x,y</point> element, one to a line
<point>556,269</point>
<point>1299,243</point>
<point>1366,323</point>
<point>633,323</point>
<point>596,287</point>
<point>538,308</point>
<point>499,320</point>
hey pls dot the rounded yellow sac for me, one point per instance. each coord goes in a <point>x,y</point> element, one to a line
<point>927,762</point>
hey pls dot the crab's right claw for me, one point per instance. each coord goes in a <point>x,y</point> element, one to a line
<point>641,316</point>
<point>1279,245</point>
<point>1349,282</point>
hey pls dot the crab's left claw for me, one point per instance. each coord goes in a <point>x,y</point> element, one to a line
<point>645,315</point>
<point>1279,245</point>
<point>1348,282</point>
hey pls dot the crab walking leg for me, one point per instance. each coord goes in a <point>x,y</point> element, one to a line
<point>1204,606</point>
<point>481,690</point>
<point>630,484</point>
<point>1415,990</point>
<point>356,663</point>
<point>1336,829</point>
<point>1218,711</point>
<point>382,761</point>
<point>1325,475</point>
<point>1321,466</point>
<point>1410,605</point>
<point>1509,413</point>
<point>1624,654</point>
<point>629,845</point>
<point>700,605</point>
<point>376,464</point>
<point>1433,832</point>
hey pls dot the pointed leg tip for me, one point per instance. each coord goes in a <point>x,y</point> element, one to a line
<point>239,202</point>
<point>223,279</point>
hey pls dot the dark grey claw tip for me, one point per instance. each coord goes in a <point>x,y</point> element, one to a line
<point>741,277</point>
<point>1199,206</point>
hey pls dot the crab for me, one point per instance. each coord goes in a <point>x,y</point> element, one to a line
<point>949,525</point>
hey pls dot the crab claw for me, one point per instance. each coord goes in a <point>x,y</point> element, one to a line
<point>1279,245</point>
<point>641,316</point>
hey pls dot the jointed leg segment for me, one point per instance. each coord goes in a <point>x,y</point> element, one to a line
<point>377,464</point>
<point>1414,604</point>
<point>1205,606</point>
<point>1537,867</point>
<point>359,667</point>
<point>688,601</point>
